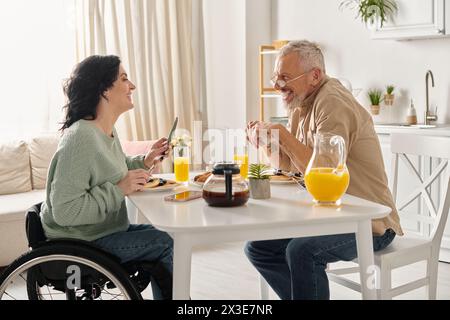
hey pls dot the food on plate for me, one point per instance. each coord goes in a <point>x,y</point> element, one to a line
<point>152,183</point>
<point>280,178</point>
<point>201,178</point>
<point>158,182</point>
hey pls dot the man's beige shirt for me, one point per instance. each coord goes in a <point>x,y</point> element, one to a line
<point>333,109</point>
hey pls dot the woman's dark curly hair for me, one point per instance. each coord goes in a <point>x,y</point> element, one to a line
<point>87,84</point>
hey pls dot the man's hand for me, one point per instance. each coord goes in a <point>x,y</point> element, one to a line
<point>259,133</point>
<point>158,152</point>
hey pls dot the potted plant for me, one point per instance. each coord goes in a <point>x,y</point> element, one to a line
<point>375,100</point>
<point>389,96</point>
<point>259,181</point>
<point>372,12</point>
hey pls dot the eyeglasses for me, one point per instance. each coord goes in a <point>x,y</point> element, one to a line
<point>283,83</point>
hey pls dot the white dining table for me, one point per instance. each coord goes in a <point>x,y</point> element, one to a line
<point>289,213</point>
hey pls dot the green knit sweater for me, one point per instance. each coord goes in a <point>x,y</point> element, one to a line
<point>83,200</point>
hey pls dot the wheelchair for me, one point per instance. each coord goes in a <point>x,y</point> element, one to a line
<point>68,269</point>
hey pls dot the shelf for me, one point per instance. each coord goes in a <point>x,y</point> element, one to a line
<point>267,93</point>
<point>269,52</point>
<point>271,95</point>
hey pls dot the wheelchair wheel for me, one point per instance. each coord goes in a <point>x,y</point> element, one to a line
<point>37,291</point>
<point>63,270</point>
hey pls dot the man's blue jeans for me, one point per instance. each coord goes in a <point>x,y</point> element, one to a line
<point>295,268</point>
<point>144,243</point>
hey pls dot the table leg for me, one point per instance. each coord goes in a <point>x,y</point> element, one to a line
<point>264,288</point>
<point>364,243</point>
<point>181,267</point>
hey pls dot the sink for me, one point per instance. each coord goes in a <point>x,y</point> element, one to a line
<point>423,126</point>
<point>420,129</point>
<point>405,126</point>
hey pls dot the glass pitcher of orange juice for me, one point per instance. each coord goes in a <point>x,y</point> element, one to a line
<point>181,163</point>
<point>327,177</point>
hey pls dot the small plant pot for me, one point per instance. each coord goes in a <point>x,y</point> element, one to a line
<point>259,188</point>
<point>389,99</point>
<point>375,109</point>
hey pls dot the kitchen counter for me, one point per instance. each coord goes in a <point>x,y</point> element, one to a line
<point>439,130</point>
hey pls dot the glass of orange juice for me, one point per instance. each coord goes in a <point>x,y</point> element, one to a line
<point>327,177</point>
<point>241,158</point>
<point>181,163</point>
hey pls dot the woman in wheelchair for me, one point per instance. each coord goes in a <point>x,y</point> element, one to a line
<point>89,178</point>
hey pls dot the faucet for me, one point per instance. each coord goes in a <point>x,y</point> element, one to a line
<point>428,116</point>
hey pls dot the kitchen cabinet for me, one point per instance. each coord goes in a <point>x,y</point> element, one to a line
<point>407,183</point>
<point>417,19</point>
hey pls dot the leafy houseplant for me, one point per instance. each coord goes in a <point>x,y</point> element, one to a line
<point>259,171</point>
<point>375,100</point>
<point>389,96</point>
<point>390,89</point>
<point>259,180</point>
<point>372,12</point>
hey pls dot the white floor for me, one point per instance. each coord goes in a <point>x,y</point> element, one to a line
<point>223,272</point>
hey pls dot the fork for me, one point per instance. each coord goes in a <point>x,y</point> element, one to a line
<point>298,181</point>
<point>160,159</point>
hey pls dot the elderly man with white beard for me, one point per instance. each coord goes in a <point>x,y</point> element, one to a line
<point>316,103</point>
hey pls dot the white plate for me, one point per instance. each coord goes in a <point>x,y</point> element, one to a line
<point>196,183</point>
<point>290,181</point>
<point>169,187</point>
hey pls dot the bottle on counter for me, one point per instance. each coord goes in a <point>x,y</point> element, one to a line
<point>411,117</point>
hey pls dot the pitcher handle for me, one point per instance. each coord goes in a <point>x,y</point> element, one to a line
<point>340,142</point>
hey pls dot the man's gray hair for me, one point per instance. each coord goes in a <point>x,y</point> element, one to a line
<point>310,54</point>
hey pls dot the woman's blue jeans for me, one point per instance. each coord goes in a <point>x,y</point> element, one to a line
<point>295,268</point>
<point>144,243</point>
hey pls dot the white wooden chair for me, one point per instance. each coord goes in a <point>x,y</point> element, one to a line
<point>410,249</point>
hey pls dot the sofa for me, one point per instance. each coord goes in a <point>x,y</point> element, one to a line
<point>23,174</point>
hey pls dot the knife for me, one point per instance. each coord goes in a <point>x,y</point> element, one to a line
<point>175,123</point>
<point>169,138</point>
<point>172,131</point>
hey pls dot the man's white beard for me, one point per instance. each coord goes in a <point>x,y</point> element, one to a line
<point>294,104</point>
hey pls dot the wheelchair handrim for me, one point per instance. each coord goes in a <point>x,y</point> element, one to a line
<point>29,264</point>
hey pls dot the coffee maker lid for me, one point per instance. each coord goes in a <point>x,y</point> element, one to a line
<point>219,168</point>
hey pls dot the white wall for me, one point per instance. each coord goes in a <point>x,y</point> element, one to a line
<point>259,32</point>
<point>350,53</point>
<point>225,62</point>
<point>234,30</point>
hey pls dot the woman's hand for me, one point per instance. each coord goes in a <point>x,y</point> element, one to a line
<point>158,152</point>
<point>160,143</point>
<point>134,181</point>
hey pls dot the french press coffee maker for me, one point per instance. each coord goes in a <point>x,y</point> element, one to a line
<point>225,187</point>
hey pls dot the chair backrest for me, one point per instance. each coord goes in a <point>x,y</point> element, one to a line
<point>433,154</point>
<point>33,225</point>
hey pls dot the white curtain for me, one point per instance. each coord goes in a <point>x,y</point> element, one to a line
<point>155,40</point>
